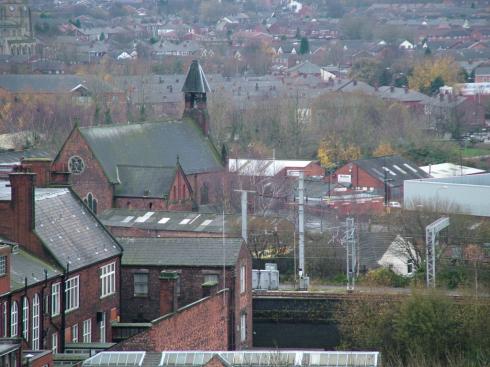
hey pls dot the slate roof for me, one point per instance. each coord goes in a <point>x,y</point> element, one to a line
<point>151,145</point>
<point>14,157</point>
<point>25,265</point>
<point>185,221</point>
<point>138,181</point>
<point>70,231</point>
<point>482,70</point>
<point>397,169</point>
<point>372,247</point>
<point>180,251</point>
<point>196,80</point>
<point>51,83</point>
<point>306,68</point>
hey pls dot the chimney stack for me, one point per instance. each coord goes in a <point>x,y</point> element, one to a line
<point>168,292</point>
<point>22,199</point>
<point>41,167</point>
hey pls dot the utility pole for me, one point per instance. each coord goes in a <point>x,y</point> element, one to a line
<point>303,279</point>
<point>431,240</point>
<point>244,213</point>
<point>351,249</point>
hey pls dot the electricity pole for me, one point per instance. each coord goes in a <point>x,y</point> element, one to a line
<point>351,249</point>
<point>303,279</point>
<point>431,240</point>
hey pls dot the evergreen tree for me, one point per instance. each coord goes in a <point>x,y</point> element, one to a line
<point>102,36</point>
<point>304,47</point>
<point>107,117</point>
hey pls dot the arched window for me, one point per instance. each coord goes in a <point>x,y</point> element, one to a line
<point>204,194</point>
<point>91,202</point>
<point>14,319</point>
<point>25,318</point>
<point>35,322</point>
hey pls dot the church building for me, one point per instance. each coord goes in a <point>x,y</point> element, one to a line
<point>171,165</point>
<point>16,35</point>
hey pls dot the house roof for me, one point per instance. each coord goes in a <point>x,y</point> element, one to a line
<point>196,81</point>
<point>185,221</point>
<point>55,83</point>
<point>138,181</point>
<point>234,358</point>
<point>397,169</point>
<point>482,70</point>
<point>26,266</point>
<point>263,167</point>
<point>305,68</point>
<point>151,145</point>
<point>72,234</point>
<point>180,251</point>
<point>372,247</point>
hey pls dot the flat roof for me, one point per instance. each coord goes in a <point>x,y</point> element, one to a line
<point>444,170</point>
<point>482,179</point>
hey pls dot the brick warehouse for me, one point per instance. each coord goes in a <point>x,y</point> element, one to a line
<point>161,165</point>
<point>195,265</point>
<point>55,246</point>
<point>381,176</point>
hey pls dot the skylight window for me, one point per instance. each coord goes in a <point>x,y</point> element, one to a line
<point>144,218</point>
<point>399,169</point>
<point>207,222</point>
<point>128,219</point>
<point>163,220</point>
<point>410,168</point>
<point>389,171</point>
<point>185,221</point>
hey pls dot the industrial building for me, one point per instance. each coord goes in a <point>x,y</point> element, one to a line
<point>458,194</point>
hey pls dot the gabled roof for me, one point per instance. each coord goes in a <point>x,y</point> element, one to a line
<point>138,181</point>
<point>180,251</point>
<point>151,145</point>
<point>305,68</point>
<point>397,169</point>
<point>196,82</point>
<point>72,234</point>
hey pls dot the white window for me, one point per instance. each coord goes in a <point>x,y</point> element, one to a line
<point>35,322</point>
<point>54,343</point>
<point>140,281</point>
<point>72,294</point>
<point>25,318</point>
<point>55,299</point>
<point>409,267</point>
<point>14,319</point>
<point>74,333</point>
<point>243,327</point>
<point>211,278</point>
<point>5,323</point>
<point>3,265</point>
<point>242,279</point>
<point>108,279</point>
<point>87,331</point>
<point>102,328</point>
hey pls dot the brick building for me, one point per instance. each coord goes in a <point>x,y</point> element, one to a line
<point>156,271</point>
<point>380,175</point>
<point>162,165</point>
<point>57,259</point>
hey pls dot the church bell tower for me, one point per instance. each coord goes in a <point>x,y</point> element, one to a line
<point>195,89</point>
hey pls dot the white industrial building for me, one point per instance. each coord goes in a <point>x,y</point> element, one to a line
<point>458,194</point>
<point>444,170</point>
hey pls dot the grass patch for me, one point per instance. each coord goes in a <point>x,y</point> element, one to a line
<point>475,152</point>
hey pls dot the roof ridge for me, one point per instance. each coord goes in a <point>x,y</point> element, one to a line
<point>129,124</point>
<point>143,166</point>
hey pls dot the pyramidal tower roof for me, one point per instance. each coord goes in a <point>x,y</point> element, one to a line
<point>196,82</point>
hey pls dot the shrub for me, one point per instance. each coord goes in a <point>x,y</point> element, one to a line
<point>385,277</point>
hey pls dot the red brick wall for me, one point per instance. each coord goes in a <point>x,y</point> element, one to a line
<point>200,326</point>
<point>5,279</point>
<point>42,361</point>
<point>243,301</point>
<point>359,177</point>
<point>89,304</point>
<point>137,308</point>
<point>92,179</point>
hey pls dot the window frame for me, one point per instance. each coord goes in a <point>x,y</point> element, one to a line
<point>107,280</point>
<point>25,318</point>
<point>14,319</point>
<point>140,283</point>
<point>87,331</point>
<point>72,293</point>
<point>243,327</point>
<point>74,333</point>
<point>102,328</point>
<point>3,265</point>
<point>243,283</point>
<point>36,310</point>
<point>55,299</point>
<point>54,343</point>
